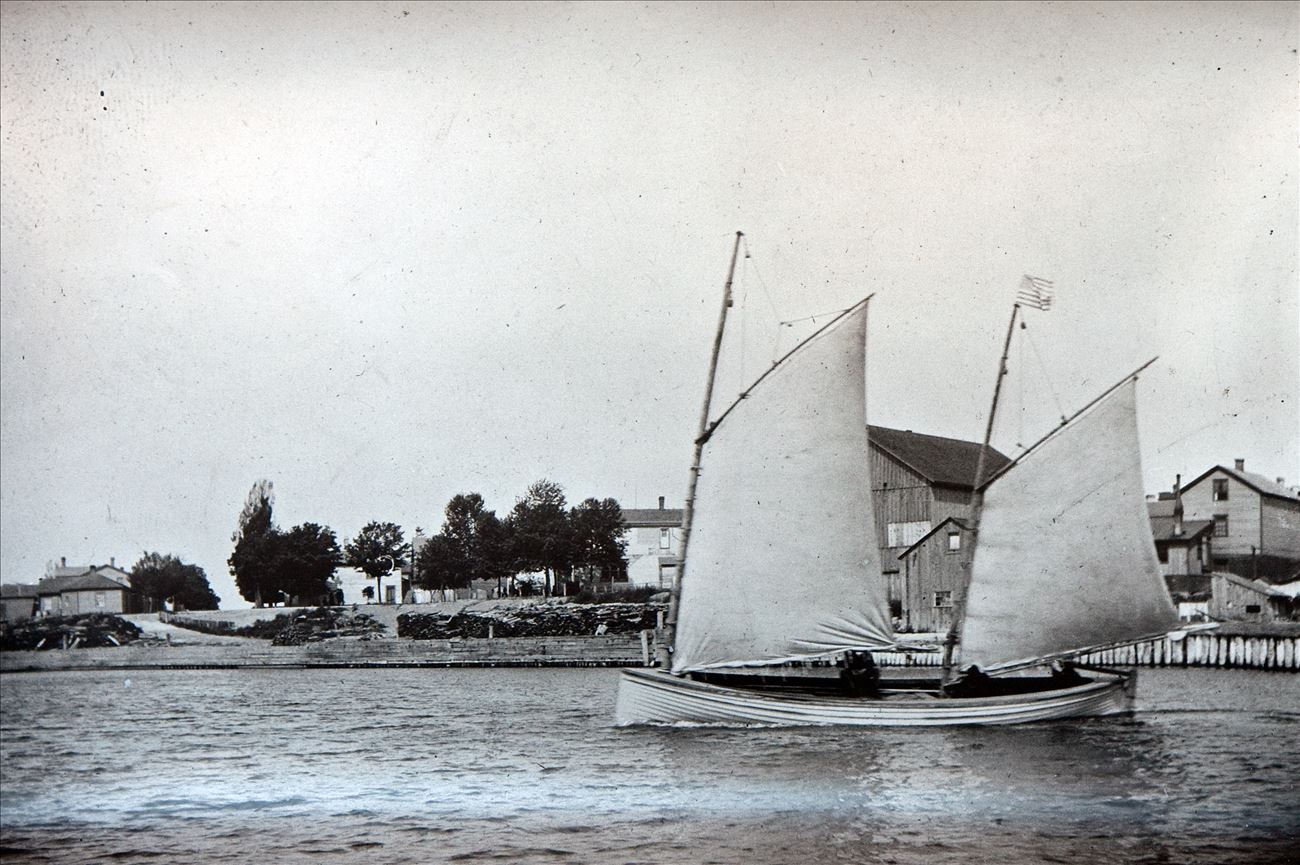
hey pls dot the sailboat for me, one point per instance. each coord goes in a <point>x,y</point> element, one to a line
<point>779,596</point>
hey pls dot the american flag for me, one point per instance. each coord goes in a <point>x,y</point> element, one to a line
<point>1035,292</point>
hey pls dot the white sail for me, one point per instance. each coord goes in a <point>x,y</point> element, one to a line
<point>1064,556</point>
<point>782,560</point>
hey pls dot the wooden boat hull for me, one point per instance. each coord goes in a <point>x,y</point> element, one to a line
<point>657,697</point>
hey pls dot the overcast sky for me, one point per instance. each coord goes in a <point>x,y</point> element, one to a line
<point>381,253</point>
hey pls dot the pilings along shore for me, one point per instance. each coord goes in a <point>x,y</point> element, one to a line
<point>1226,648</point>
<point>1234,646</point>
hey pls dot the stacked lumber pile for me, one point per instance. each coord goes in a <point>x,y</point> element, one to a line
<point>89,631</point>
<point>313,626</point>
<point>534,620</point>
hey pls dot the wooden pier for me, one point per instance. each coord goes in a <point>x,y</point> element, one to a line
<point>1232,646</point>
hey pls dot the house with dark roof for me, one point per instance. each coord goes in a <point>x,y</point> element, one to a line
<point>917,482</point>
<point>98,590</point>
<point>1256,521</point>
<point>17,602</point>
<point>653,538</point>
<point>1184,547</point>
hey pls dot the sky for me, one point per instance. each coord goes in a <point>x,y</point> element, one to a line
<point>384,253</point>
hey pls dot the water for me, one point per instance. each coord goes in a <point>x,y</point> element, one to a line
<point>486,765</point>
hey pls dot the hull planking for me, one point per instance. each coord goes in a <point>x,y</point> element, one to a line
<point>657,697</point>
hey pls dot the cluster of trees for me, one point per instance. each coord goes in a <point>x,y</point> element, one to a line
<point>167,579</point>
<point>540,535</point>
<point>271,565</point>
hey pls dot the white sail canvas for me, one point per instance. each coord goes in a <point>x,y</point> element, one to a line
<point>1064,556</point>
<point>782,562</point>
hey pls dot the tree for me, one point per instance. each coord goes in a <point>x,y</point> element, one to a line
<point>471,546</point>
<point>307,556</point>
<point>253,561</point>
<point>598,542</point>
<point>437,564</point>
<point>377,549</point>
<point>542,540</point>
<point>494,549</point>
<point>167,578</point>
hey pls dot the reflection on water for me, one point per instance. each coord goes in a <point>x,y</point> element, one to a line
<point>526,766</point>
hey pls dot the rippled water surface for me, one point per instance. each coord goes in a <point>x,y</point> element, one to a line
<point>492,765</point>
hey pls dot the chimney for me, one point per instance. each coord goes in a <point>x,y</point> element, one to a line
<point>661,503</point>
<point>1281,482</point>
<point>112,561</point>
<point>1240,464</point>
<point>1178,506</point>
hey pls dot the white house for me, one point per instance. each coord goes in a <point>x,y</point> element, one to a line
<point>653,538</point>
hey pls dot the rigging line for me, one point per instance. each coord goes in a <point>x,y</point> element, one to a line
<point>767,293</point>
<point>795,321</point>
<point>1060,409</point>
<point>761,282</point>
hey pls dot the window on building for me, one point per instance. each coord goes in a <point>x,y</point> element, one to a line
<point>906,534</point>
<point>943,599</point>
<point>1220,490</point>
<point>1252,608</point>
<point>665,539</point>
<point>99,599</point>
<point>954,541</point>
<point>1162,553</point>
<point>1220,525</point>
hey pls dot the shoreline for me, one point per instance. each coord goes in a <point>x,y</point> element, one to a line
<point>1232,646</point>
<point>608,650</point>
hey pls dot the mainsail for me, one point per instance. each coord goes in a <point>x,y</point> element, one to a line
<point>782,559</point>
<point>1064,557</point>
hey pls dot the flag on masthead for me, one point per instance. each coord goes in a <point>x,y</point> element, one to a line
<point>1035,292</point>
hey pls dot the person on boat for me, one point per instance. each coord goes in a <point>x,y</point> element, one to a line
<point>860,676</point>
<point>1064,675</point>
<point>974,682</point>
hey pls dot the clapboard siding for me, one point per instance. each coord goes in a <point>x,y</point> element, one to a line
<point>1241,508</point>
<point>899,495</point>
<point>1280,525</point>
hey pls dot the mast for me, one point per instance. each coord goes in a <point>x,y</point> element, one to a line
<point>977,502</point>
<point>670,638</point>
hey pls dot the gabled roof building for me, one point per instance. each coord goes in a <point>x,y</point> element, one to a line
<point>934,571</point>
<point>918,482</point>
<point>653,538</point>
<point>1256,521</point>
<point>90,592</point>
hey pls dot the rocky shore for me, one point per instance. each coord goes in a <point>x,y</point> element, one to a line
<point>482,634</point>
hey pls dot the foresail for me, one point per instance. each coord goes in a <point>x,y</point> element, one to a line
<point>782,562</point>
<point>1064,557</point>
